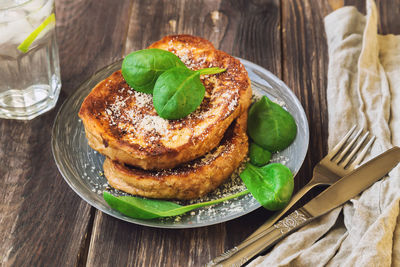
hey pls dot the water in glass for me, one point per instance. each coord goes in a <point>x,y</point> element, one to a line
<point>29,81</point>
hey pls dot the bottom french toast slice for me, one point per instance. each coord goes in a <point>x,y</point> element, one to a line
<point>188,181</point>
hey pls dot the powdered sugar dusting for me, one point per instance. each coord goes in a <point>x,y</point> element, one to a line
<point>142,99</point>
<point>114,110</point>
<point>232,105</point>
<point>127,112</point>
<point>154,123</point>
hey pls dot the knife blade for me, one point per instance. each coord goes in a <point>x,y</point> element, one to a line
<point>335,195</point>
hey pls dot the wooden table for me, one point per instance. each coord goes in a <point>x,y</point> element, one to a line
<point>44,223</point>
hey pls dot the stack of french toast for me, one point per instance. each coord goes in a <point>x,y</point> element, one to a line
<point>187,158</point>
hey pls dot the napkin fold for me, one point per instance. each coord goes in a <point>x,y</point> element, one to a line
<point>363,89</point>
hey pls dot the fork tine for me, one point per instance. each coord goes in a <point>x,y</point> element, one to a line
<point>347,148</point>
<point>361,156</point>
<point>355,150</point>
<point>339,145</point>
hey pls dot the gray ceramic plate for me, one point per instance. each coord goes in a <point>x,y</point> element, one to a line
<point>81,166</point>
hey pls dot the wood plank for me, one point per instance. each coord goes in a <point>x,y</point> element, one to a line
<point>389,12</point>
<point>360,5</point>
<point>90,35</point>
<point>305,66</point>
<point>248,30</point>
<point>42,221</point>
<point>251,31</point>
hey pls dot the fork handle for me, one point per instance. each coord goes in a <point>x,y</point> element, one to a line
<point>287,225</point>
<point>263,230</point>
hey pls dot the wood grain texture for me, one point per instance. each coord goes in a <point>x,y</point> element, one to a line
<point>91,35</point>
<point>389,14</point>
<point>248,30</point>
<point>42,221</point>
<point>305,63</point>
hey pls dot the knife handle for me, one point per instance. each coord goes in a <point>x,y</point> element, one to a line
<point>282,228</point>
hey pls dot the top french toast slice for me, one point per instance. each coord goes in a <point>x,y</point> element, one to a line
<point>122,123</point>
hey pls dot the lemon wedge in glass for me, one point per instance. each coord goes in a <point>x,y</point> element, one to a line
<point>48,23</point>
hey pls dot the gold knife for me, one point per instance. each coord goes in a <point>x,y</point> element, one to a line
<point>335,195</point>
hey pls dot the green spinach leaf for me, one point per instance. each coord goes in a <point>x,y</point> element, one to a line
<point>271,126</point>
<point>271,185</point>
<point>144,208</point>
<point>179,91</point>
<point>258,155</point>
<point>141,68</point>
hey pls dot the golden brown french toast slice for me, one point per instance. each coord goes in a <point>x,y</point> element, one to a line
<point>122,123</point>
<point>187,181</point>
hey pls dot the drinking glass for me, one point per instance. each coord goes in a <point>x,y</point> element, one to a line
<point>29,66</point>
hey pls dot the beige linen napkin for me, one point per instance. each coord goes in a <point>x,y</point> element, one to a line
<point>364,89</point>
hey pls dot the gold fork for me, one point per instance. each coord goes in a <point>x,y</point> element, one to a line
<point>331,168</point>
